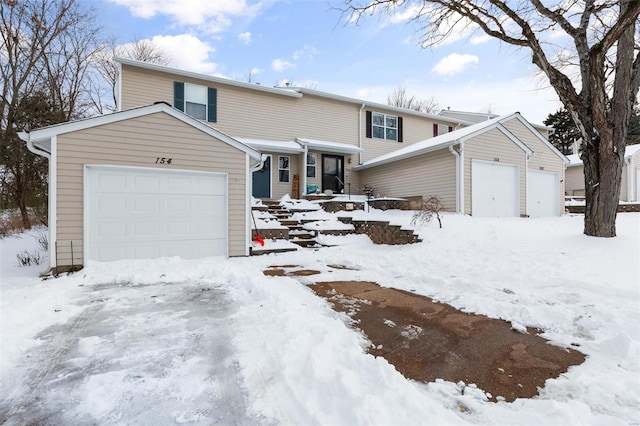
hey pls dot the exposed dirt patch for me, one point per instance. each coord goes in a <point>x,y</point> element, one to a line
<point>285,270</point>
<point>427,340</point>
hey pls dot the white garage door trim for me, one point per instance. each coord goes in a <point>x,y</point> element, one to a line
<point>637,184</point>
<point>206,197</point>
<point>542,194</point>
<point>505,194</point>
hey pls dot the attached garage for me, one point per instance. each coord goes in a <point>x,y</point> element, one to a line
<point>494,189</point>
<point>145,183</point>
<point>137,213</point>
<point>543,194</point>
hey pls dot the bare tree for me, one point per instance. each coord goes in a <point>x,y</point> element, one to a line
<point>400,98</point>
<point>104,83</point>
<point>599,90</point>
<point>38,83</point>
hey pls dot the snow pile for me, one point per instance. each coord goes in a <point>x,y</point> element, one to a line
<point>265,220</point>
<point>298,361</point>
<point>298,205</point>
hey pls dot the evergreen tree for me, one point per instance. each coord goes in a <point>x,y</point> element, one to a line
<point>565,132</point>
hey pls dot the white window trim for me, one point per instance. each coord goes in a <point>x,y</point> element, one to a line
<point>384,126</point>
<point>287,169</point>
<point>206,100</point>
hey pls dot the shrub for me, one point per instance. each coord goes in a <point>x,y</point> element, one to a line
<point>42,238</point>
<point>27,259</point>
<point>428,209</point>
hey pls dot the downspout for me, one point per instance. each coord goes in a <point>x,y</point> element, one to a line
<point>461,188</point>
<point>526,183</point>
<point>630,191</point>
<point>258,166</point>
<point>51,222</point>
<point>360,133</point>
<point>455,154</point>
<point>303,190</point>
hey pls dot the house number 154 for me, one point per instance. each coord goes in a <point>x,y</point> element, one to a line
<point>163,160</point>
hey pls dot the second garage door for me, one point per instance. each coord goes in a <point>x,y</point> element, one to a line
<point>494,189</point>
<point>542,194</point>
<point>137,213</point>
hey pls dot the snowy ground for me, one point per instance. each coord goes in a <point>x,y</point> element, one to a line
<point>214,341</point>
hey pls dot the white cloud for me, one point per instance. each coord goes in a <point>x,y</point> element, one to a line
<point>307,52</point>
<point>187,52</point>
<point>454,64</point>
<point>281,65</point>
<point>213,15</point>
<point>245,37</point>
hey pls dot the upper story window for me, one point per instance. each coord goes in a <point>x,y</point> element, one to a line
<point>197,101</point>
<point>441,129</point>
<point>384,126</point>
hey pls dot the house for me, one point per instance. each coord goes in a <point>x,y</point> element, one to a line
<point>173,171</point>
<point>145,182</point>
<point>499,167</point>
<point>477,117</point>
<point>630,181</point>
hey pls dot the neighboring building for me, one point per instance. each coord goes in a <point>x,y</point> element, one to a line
<point>478,117</point>
<point>630,181</point>
<point>176,177</point>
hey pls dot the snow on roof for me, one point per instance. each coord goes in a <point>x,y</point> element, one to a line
<point>329,146</point>
<point>629,151</point>
<point>435,143</point>
<point>288,147</point>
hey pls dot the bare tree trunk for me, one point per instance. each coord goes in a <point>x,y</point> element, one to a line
<point>602,173</point>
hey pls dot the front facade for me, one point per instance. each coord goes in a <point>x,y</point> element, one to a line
<point>176,177</point>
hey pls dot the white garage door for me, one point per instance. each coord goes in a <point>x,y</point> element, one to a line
<point>136,213</point>
<point>494,189</point>
<point>542,194</point>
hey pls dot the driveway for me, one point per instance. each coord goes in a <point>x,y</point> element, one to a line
<point>136,354</point>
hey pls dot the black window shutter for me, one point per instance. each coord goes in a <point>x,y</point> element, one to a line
<point>399,129</point>
<point>450,128</point>
<point>178,95</point>
<point>368,124</point>
<point>212,98</point>
<point>435,130</point>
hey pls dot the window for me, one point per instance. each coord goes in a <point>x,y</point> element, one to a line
<point>199,102</point>
<point>283,169</point>
<point>195,101</point>
<point>441,129</point>
<point>384,126</point>
<point>312,160</point>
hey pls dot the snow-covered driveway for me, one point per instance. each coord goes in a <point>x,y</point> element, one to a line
<point>139,354</point>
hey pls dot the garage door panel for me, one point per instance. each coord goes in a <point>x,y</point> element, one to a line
<point>542,194</point>
<point>494,189</point>
<point>145,219</point>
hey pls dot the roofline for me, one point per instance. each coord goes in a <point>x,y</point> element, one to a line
<point>357,101</point>
<point>495,125</point>
<point>46,133</point>
<point>491,116</point>
<point>219,80</point>
<point>544,140</point>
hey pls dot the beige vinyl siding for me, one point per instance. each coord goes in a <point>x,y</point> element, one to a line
<point>414,129</point>
<point>280,189</point>
<point>432,174</point>
<point>635,165</point>
<point>574,180</point>
<point>544,158</point>
<point>624,185</point>
<point>138,142</point>
<point>244,112</point>
<point>489,146</point>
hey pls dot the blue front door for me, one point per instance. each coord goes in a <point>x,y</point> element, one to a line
<point>262,180</point>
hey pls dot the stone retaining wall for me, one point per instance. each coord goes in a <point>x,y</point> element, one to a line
<point>382,204</point>
<point>381,232</point>
<point>334,206</point>
<point>622,208</point>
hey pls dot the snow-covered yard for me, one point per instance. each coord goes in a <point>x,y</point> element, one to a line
<point>214,341</point>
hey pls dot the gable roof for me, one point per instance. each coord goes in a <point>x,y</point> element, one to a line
<point>476,117</point>
<point>629,151</point>
<point>42,137</point>
<point>291,91</point>
<point>446,140</point>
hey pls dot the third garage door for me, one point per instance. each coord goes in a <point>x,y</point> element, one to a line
<point>494,189</point>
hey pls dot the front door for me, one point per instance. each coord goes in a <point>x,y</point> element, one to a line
<point>262,180</point>
<point>333,173</point>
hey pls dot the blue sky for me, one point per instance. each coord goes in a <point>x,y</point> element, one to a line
<point>310,43</point>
